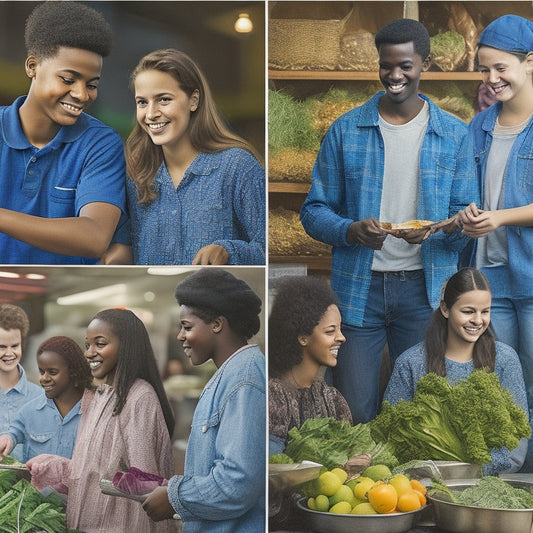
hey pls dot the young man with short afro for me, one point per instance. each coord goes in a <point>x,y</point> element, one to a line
<point>391,159</point>
<point>62,172</point>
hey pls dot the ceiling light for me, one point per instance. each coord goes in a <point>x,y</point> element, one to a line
<point>108,295</point>
<point>243,24</point>
<point>4,274</point>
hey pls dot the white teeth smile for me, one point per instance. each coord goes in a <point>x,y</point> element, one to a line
<point>157,126</point>
<point>71,107</point>
<point>95,364</point>
<point>396,87</point>
<point>499,89</point>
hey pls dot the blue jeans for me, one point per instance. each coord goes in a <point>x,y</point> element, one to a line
<point>512,322</point>
<point>397,312</point>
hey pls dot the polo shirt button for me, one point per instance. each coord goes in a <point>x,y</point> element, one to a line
<point>30,172</point>
<point>204,429</point>
<point>33,159</point>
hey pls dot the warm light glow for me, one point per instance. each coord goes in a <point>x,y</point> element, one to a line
<point>112,295</point>
<point>243,24</point>
<point>35,276</point>
<point>4,274</point>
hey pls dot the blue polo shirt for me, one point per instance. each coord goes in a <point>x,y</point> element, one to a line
<point>84,163</point>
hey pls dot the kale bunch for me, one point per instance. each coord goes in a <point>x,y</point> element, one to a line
<point>461,423</point>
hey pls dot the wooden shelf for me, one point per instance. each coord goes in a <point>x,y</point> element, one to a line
<point>364,76</point>
<point>313,262</point>
<point>279,186</point>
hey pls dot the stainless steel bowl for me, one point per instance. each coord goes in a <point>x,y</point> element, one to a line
<point>456,470</point>
<point>352,523</point>
<point>467,519</point>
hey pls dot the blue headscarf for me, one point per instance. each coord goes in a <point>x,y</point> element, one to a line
<point>510,33</point>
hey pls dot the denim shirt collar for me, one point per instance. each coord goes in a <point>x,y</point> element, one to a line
<point>14,135</point>
<point>370,115</point>
<point>22,384</point>
<point>203,165</point>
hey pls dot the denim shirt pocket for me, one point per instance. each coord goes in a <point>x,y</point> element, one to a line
<point>37,443</point>
<point>524,171</point>
<point>206,431</point>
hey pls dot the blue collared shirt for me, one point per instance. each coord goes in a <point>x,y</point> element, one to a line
<point>84,163</point>
<point>220,200</point>
<point>13,400</point>
<point>347,185</point>
<point>223,489</point>
<point>40,428</point>
<point>515,279</point>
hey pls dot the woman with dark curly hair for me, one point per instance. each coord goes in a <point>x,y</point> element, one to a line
<point>304,334</point>
<point>49,423</point>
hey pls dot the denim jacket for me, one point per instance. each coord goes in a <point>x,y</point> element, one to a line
<point>223,489</point>
<point>40,427</point>
<point>347,186</point>
<point>514,280</point>
<point>12,401</point>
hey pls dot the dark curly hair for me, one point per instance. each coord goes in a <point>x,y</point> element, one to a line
<point>214,292</point>
<point>71,24</point>
<point>135,359</point>
<point>401,31</point>
<point>13,317</point>
<point>78,366</point>
<point>299,304</point>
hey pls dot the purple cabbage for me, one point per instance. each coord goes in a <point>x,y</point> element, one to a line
<point>137,482</point>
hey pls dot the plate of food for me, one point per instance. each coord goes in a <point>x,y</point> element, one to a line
<point>398,229</point>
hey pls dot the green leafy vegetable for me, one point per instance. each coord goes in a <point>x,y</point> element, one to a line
<point>491,492</point>
<point>280,459</point>
<point>11,461</point>
<point>332,442</point>
<point>461,423</point>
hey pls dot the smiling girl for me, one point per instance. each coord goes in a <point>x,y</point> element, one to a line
<point>128,424</point>
<point>197,191</point>
<point>49,424</point>
<point>304,335</point>
<point>458,340</point>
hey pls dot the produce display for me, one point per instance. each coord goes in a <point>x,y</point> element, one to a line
<point>23,509</point>
<point>452,423</point>
<point>489,492</point>
<point>332,443</point>
<point>375,491</point>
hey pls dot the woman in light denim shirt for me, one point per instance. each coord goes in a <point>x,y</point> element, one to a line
<point>500,149</point>
<point>223,486</point>
<point>49,424</point>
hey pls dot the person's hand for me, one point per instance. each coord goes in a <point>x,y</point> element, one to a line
<point>117,254</point>
<point>6,445</point>
<point>414,236</point>
<point>477,223</point>
<point>212,254</point>
<point>447,226</point>
<point>157,506</point>
<point>367,232</point>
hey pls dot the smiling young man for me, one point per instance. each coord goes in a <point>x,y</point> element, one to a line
<point>62,172</point>
<point>390,160</point>
<point>15,389</point>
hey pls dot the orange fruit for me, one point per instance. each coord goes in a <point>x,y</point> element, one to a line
<point>383,497</point>
<point>408,501</point>
<point>421,497</point>
<point>415,484</point>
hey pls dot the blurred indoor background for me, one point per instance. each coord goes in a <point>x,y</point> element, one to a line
<point>233,62</point>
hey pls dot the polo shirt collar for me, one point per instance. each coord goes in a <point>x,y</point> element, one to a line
<point>22,384</point>
<point>14,135</point>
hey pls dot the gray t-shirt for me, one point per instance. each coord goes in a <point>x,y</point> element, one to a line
<point>492,249</point>
<point>399,200</point>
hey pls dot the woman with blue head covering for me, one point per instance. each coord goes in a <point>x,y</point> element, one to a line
<point>501,138</point>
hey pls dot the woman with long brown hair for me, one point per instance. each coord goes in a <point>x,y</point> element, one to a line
<point>196,192</point>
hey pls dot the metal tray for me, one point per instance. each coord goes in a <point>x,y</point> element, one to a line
<point>283,478</point>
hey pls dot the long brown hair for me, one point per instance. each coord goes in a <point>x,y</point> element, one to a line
<point>207,130</point>
<point>484,356</point>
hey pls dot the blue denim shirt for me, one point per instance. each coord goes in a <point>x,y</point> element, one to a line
<point>514,280</point>
<point>223,489</point>
<point>40,427</point>
<point>347,186</point>
<point>12,401</point>
<point>220,200</point>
